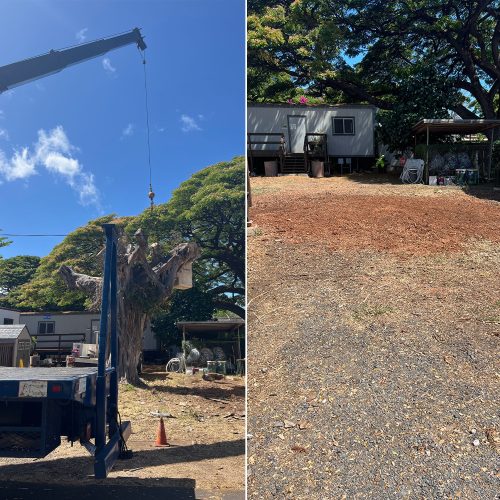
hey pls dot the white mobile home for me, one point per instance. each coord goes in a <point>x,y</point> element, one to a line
<point>282,129</point>
<point>9,317</point>
<point>80,325</point>
<point>54,329</point>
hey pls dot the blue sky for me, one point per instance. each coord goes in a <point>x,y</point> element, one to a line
<point>73,145</point>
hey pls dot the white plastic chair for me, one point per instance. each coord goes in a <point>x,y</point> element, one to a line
<point>413,171</point>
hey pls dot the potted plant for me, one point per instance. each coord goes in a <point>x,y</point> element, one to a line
<point>380,164</point>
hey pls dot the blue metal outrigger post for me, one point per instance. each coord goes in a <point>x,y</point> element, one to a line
<point>106,453</point>
<point>40,405</point>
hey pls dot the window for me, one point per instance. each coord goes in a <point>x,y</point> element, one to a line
<point>8,321</point>
<point>46,327</point>
<point>343,126</point>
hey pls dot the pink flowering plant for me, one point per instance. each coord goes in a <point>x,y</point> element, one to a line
<point>298,100</point>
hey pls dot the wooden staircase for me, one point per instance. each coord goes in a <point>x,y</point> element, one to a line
<point>294,163</point>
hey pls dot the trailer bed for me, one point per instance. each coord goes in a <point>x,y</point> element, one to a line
<point>50,374</point>
<point>77,384</point>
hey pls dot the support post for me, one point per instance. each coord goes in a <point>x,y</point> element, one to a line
<point>100,434</point>
<point>113,383</point>
<point>490,156</point>
<point>184,346</point>
<point>426,169</point>
<point>239,342</point>
<point>106,453</point>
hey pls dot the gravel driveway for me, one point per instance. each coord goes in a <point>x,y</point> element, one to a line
<point>374,372</point>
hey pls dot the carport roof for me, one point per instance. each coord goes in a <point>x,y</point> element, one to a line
<point>210,325</point>
<point>444,126</point>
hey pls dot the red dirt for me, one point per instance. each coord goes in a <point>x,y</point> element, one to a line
<point>401,225</point>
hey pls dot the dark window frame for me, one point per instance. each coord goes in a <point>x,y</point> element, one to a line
<point>8,321</point>
<point>343,118</point>
<point>53,323</point>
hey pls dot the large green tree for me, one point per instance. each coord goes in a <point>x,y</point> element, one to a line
<point>208,209</point>
<point>422,95</point>
<point>17,271</point>
<point>183,305</point>
<point>81,250</point>
<point>4,242</point>
<point>365,50</point>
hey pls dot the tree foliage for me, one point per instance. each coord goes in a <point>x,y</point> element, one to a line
<point>46,291</point>
<point>184,305</point>
<point>208,209</point>
<point>17,271</point>
<point>423,95</point>
<point>366,50</point>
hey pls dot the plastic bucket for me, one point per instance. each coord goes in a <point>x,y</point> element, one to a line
<point>271,168</point>
<point>461,175</point>
<point>412,175</point>
<point>317,169</point>
<point>472,176</point>
<point>221,367</point>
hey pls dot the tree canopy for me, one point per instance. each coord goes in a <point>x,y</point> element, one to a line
<point>183,305</point>
<point>4,242</point>
<point>367,50</point>
<point>45,290</point>
<point>17,271</point>
<point>208,209</point>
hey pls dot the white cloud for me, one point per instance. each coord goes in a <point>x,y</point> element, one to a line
<point>81,35</point>
<point>4,134</point>
<point>59,164</point>
<point>128,130</point>
<point>53,152</point>
<point>189,124</point>
<point>55,141</point>
<point>20,166</point>
<point>108,67</point>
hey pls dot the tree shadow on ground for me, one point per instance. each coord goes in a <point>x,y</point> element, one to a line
<point>222,392</point>
<point>481,191</point>
<point>145,489</point>
<point>371,178</point>
<point>71,469</point>
<point>484,192</point>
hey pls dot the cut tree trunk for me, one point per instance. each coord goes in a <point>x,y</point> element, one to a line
<point>146,278</point>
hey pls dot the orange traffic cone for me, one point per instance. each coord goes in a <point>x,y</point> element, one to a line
<point>161,436</point>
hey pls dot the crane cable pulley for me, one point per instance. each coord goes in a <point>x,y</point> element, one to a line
<point>151,194</point>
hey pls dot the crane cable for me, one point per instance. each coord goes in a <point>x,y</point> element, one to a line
<point>151,194</point>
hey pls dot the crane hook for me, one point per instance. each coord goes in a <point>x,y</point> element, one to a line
<point>151,196</point>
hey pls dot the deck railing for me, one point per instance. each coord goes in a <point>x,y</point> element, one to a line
<point>55,344</point>
<point>264,139</point>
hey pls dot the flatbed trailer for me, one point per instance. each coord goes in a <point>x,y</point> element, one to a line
<point>38,406</point>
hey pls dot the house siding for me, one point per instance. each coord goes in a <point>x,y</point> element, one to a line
<point>64,323</point>
<point>319,119</point>
<point>67,323</point>
<point>9,314</point>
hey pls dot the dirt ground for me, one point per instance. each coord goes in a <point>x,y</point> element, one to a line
<point>374,320</point>
<point>207,452</point>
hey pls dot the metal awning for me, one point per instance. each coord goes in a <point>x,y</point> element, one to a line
<point>210,325</point>
<point>444,126</point>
